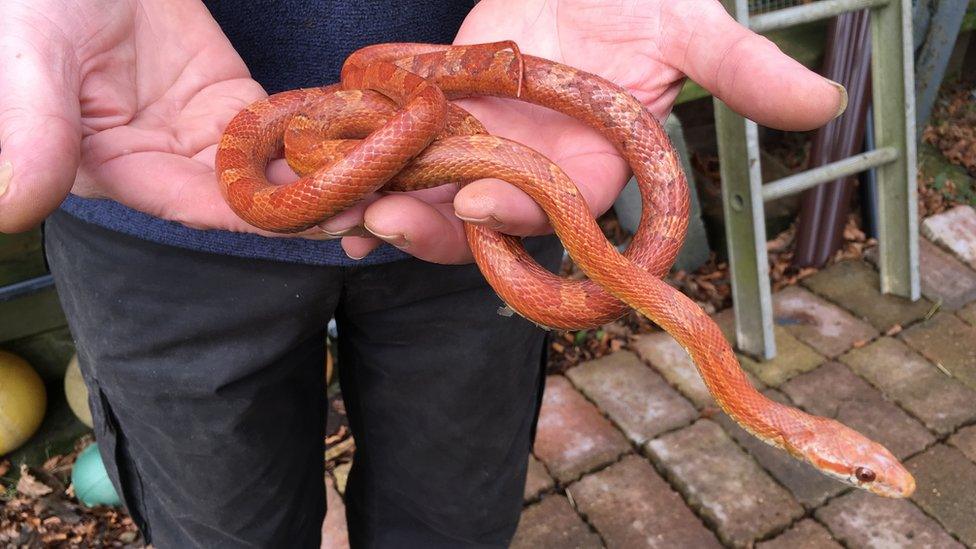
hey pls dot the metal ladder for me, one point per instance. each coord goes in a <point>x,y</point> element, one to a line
<point>744,195</point>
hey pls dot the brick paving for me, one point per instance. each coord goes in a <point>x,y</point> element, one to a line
<point>728,488</point>
<point>825,327</point>
<point>948,342</point>
<point>806,534</point>
<point>860,519</point>
<point>631,450</point>
<point>573,437</point>
<point>810,488</point>
<point>633,396</point>
<point>632,506</point>
<point>834,391</point>
<point>855,286</point>
<point>538,481</point>
<point>554,523</point>
<point>954,230</point>
<point>947,479</point>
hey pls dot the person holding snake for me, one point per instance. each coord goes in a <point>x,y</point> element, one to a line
<point>198,274</point>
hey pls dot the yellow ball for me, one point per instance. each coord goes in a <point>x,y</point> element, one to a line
<point>22,401</point>
<point>76,392</point>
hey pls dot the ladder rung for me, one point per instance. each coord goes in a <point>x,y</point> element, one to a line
<point>828,172</point>
<point>788,17</point>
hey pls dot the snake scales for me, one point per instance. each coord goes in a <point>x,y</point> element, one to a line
<point>389,125</point>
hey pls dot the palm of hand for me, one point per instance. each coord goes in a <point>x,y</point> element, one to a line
<point>155,85</point>
<point>620,49</point>
<point>647,46</point>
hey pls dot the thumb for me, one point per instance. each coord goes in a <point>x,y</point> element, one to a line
<point>40,127</point>
<point>747,71</point>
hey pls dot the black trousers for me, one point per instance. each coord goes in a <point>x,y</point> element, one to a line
<point>206,386</point>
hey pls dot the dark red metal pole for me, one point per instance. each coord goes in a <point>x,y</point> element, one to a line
<point>824,208</point>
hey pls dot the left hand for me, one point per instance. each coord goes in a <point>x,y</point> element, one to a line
<point>646,46</point>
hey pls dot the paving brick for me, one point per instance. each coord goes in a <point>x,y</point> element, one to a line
<point>809,486</point>
<point>334,532</point>
<point>968,313</point>
<point>572,437</point>
<point>855,286</point>
<point>948,341</point>
<point>662,352</point>
<point>631,506</point>
<point>726,485</point>
<point>792,358</point>
<point>633,395</point>
<point>806,534</point>
<point>825,327</point>
<point>834,391</point>
<point>943,277</point>
<point>670,359</point>
<point>941,402</point>
<point>861,519</point>
<point>965,440</point>
<point>945,491</point>
<point>538,480</point>
<point>954,230</point>
<point>553,523</point>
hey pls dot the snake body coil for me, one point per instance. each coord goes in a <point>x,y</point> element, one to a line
<point>389,126</point>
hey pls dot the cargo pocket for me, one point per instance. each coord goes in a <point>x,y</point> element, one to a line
<point>121,469</point>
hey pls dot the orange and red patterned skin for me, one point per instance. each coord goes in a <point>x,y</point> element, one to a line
<point>388,126</point>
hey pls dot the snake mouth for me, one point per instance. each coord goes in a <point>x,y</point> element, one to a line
<point>887,477</point>
<point>900,486</point>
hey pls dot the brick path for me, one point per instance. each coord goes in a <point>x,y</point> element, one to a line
<point>632,452</point>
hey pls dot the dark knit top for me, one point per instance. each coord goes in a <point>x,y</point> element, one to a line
<point>291,44</point>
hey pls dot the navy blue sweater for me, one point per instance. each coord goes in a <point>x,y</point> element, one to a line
<point>291,44</point>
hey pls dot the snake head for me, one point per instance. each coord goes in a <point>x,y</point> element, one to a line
<point>852,458</point>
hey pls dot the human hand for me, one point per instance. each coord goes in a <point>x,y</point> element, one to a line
<point>121,99</point>
<point>646,46</point>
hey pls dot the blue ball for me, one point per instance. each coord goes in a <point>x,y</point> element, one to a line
<point>90,479</point>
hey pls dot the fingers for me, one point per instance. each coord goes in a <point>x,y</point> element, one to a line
<point>430,232</point>
<point>502,207</point>
<point>746,71</point>
<point>40,130</point>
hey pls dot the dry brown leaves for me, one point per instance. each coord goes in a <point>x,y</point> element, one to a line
<point>953,126</point>
<point>339,443</point>
<point>40,510</point>
<point>709,287</point>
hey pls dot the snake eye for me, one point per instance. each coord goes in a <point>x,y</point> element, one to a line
<point>864,474</point>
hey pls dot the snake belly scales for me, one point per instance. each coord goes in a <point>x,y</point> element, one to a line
<point>389,125</point>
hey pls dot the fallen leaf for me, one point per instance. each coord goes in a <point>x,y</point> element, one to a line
<point>30,486</point>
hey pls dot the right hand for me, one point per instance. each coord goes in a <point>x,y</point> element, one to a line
<point>120,99</point>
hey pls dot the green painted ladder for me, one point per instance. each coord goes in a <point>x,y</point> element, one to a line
<point>744,195</point>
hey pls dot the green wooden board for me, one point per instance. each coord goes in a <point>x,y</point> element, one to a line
<point>969,20</point>
<point>48,352</point>
<point>31,314</point>
<point>21,257</point>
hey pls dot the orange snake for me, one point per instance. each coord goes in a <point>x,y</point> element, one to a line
<point>389,125</point>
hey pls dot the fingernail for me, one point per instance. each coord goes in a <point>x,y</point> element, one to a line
<point>6,174</point>
<point>354,258</point>
<point>843,96</point>
<point>396,240</point>
<point>489,221</point>
<point>355,230</point>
